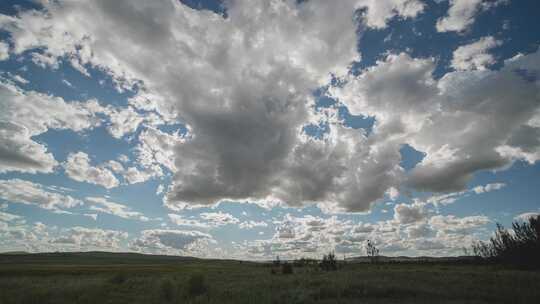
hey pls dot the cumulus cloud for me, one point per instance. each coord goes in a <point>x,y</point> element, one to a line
<point>474,56</point>
<point>455,224</point>
<point>407,214</point>
<point>156,148</point>
<point>25,192</point>
<point>488,188</point>
<point>460,16</point>
<point>180,220</point>
<point>252,224</point>
<point>467,106</point>
<point>101,204</point>
<point>219,218</point>
<point>4,51</point>
<point>90,238</point>
<point>244,126</point>
<point>244,137</point>
<point>78,167</point>
<point>163,241</point>
<point>27,114</point>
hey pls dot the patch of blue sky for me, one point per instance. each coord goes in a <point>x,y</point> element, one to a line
<point>512,24</point>
<point>216,6</point>
<point>12,7</point>
<point>65,81</point>
<point>410,157</point>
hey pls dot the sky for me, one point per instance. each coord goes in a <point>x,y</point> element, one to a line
<point>251,129</point>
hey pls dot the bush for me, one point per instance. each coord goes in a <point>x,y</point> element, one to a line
<point>372,252</point>
<point>286,268</point>
<point>118,279</point>
<point>329,262</point>
<point>196,285</point>
<point>519,246</point>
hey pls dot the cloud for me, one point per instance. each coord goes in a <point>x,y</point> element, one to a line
<point>453,224</point>
<point>163,241</point>
<point>526,216</point>
<point>244,138</point>
<point>488,188</point>
<point>77,167</point>
<point>461,15</point>
<point>156,148</point>
<point>25,192</point>
<point>103,205</point>
<point>474,56</point>
<point>244,125</point>
<point>467,106</point>
<point>90,238</point>
<point>4,51</point>
<point>27,114</point>
<point>180,220</point>
<point>219,218</point>
<point>252,224</point>
<point>407,214</point>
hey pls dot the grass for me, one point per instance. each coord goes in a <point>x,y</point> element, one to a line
<point>164,280</point>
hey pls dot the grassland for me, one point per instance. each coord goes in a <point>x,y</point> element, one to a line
<point>129,278</point>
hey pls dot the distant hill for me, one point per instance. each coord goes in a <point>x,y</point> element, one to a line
<point>420,259</point>
<point>88,258</point>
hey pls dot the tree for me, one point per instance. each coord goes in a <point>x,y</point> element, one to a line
<point>372,251</point>
<point>519,246</point>
<point>277,261</point>
<point>329,262</point>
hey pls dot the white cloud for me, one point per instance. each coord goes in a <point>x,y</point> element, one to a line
<point>156,148</point>
<point>90,238</point>
<point>4,51</point>
<point>78,167</point>
<point>133,175</point>
<point>180,220</point>
<point>453,224</point>
<point>245,139</point>
<point>123,121</point>
<point>461,15</point>
<point>160,189</point>
<point>488,188</point>
<point>20,79</point>
<point>219,218</point>
<point>27,114</point>
<point>252,224</point>
<point>407,214</point>
<point>474,56</point>
<point>526,216</point>
<point>25,192</point>
<point>101,204</point>
<point>169,241</point>
<point>467,106</point>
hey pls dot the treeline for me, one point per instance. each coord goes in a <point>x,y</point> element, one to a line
<point>518,246</point>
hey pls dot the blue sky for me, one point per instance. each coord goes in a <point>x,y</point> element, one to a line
<point>250,129</point>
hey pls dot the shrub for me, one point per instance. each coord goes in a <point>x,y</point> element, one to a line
<point>329,262</point>
<point>119,278</point>
<point>286,268</point>
<point>196,285</point>
<point>372,252</point>
<point>519,246</point>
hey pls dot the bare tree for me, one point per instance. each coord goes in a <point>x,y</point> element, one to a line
<point>372,251</point>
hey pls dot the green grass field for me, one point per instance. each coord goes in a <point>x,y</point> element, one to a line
<point>128,278</point>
